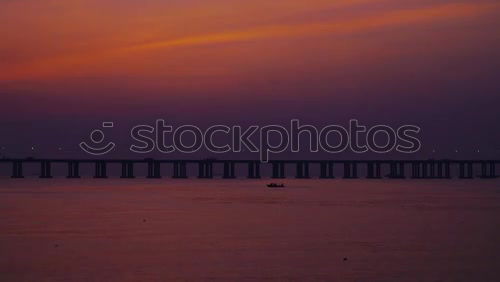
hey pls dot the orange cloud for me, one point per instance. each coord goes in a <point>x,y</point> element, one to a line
<point>60,66</point>
<point>392,18</point>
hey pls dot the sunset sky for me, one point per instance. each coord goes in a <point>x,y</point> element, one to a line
<point>65,65</point>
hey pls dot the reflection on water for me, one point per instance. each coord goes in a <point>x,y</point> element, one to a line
<point>160,230</point>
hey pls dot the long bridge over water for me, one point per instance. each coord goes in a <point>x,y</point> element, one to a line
<point>350,169</point>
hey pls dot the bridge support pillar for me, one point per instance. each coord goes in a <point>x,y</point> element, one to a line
<point>416,170</point>
<point>326,170</point>
<point>373,170</point>
<point>443,169</point>
<point>205,169</point>
<point>180,169</point>
<point>253,169</point>
<point>229,170</point>
<point>302,170</point>
<point>73,169</point>
<point>440,170</point>
<point>425,169</point>
<point>45,169</point>
<point>17,169</point>
<point>447,173</point>
<point>100,170</point>
<point>154,169</point>
<point>465,170</point>
<point>278,170</point>
<point>127,170</point>
<point>397,170</point>
<point>350,170</point>
<point>488,169</point>
<point>432,168</point>
<point>428,169</point>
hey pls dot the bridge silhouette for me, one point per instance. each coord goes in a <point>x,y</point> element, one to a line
<point>374,169</point>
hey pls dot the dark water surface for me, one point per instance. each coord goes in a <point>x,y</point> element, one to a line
<point>237,230</point>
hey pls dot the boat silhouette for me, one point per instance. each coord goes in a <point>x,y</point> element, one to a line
<point>275,185</point>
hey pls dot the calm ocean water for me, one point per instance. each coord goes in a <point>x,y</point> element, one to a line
<point>238,230</point>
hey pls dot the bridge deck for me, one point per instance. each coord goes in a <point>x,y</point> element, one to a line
<point>375,169</point>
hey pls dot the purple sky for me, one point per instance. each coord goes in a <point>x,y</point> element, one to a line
<point>66,66</point>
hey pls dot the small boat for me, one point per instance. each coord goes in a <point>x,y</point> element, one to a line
<point>275,185</point>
